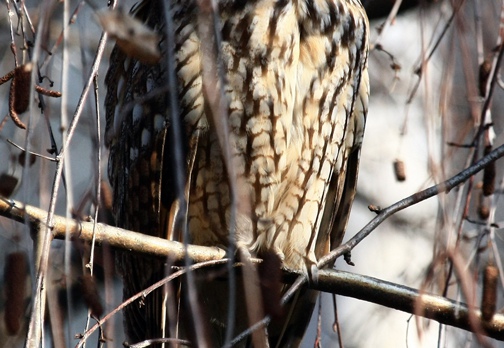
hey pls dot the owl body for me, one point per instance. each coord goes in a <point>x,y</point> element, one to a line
<point>292,99</point>
<point>295,86</point>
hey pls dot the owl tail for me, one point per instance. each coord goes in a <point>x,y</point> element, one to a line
<point>142,318</point>
<point>289,330</point>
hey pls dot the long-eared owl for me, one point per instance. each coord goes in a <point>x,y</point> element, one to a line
<point>292,78</point>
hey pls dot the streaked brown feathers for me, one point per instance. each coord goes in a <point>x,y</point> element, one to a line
<point>294,78</point>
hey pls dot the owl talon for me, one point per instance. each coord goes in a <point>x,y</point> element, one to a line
<point>311,268</point>
<point>313,274</point>
<point>280,254</point>
<point>348,258</point>
<point>242,253</point>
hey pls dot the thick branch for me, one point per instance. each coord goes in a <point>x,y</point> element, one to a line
<point>113,236</point>
<point>406,299</point>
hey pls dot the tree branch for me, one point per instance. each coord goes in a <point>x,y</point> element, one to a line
<point>407,300</point>
<point>365,288</point>
<point>415,198</point>
<point>113,236</point>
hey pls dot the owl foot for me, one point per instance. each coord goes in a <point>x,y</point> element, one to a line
<point>348,258</point>
<point>311,268</point>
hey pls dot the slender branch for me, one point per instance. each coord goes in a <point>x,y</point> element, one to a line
<point>31,152</point>
<point>151,342</point>
<point>144,293</point>
<point>432,191</point>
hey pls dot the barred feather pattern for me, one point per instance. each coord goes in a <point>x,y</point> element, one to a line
<point>296,88</point>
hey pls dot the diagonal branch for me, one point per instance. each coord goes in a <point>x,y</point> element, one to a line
<point>415,198</point>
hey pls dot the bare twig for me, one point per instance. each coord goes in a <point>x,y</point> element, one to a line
<point>58,41</point>
<point>426,58</point>
<point>215,96</point>
<point>146,292</point>
<point>31,152</point>
<point>149,343</point>
<point>389,21</point>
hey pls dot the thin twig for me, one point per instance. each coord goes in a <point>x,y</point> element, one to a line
<point>425,59</point>
<point>67,167</point>
<point>38,311</point>
<point>388,22</point>
<point>180,174</point>
<point>213,90</point>
<point>58,41</point>
<point>146,292</point>
<point>336,325</point>
<point>31,152</point>
<point>35,335</point>
<point>151,342</point>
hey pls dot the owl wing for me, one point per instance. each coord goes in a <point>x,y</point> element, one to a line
<point>343,182</point>
<point>339,216</point>
<point>139,172</point>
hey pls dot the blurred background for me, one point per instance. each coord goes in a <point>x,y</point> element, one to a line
<point>427,70</point>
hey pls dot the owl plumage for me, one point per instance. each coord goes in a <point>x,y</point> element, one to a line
<point>295,86</point>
